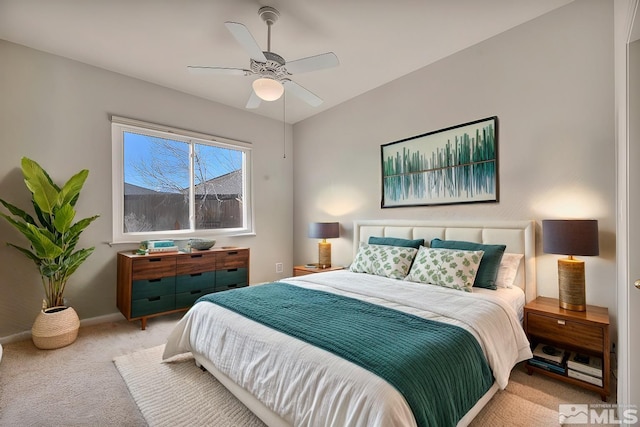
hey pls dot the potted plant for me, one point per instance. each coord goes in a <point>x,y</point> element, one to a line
<point>53,236</point>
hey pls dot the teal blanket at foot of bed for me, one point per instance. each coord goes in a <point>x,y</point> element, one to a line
<point>438,368</point>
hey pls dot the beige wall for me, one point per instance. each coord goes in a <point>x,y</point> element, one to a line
<point>56,111</point>
<point>550,82</point>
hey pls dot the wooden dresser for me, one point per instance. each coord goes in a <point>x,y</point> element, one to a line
<point>157,284</point>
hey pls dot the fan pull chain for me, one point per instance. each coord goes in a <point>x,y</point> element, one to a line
<point>284,126</point>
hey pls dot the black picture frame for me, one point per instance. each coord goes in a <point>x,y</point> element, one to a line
<point>455,165</point>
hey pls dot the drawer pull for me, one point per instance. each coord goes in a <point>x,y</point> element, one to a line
<point>561,322</point>
<point>154,299</point>
<point>196,256</point>
<point>196,274</point>
<point>232,269</point>
<point>155,259</point>
<point>235,285</point>
<point>232,253</point>
<point>154,280</point>
<point>195,292</point>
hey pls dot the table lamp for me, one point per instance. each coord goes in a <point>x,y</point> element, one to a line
<point>571,237</point>
<point>324,231</point>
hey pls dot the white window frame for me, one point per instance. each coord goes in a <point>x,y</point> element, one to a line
<point>120,125</point>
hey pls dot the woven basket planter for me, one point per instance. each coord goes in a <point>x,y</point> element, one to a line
<point>55,327</point>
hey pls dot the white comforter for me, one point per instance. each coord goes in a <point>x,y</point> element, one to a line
<point>308,386</point>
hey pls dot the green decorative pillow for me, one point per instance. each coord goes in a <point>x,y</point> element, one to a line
<point>488,271</point>
<point>383,260</point>
<point>451,268</point>
<point>396,241</point>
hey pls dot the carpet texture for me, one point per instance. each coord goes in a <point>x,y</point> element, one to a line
<point>180,394</point>
<point>77,385</point>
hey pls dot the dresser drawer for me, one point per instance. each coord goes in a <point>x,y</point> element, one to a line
<point>569,332</point>
<point>196,263</point>
<point>153,267</point>
<point>153,287</point>
<point>231,278</point>
<point>196,281</point>
<point>153,305</point>
<point>232,259</point>
<point>186,299</point>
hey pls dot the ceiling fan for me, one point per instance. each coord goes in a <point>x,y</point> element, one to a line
<point>272,69</point>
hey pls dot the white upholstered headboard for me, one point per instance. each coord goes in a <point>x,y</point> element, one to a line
<point>519,236</point>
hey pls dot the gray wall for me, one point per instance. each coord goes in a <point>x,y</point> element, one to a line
<point>550,82</point>
<point>56,111</point>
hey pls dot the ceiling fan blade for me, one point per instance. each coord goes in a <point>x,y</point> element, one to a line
<point>195,69</point>
<point>313,63</point>
<point>302,93</point>
<point>254,101</point>
<point>246,40</point>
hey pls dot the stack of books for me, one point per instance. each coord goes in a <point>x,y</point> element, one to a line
<point>585,368</point>
<point>550,358</point>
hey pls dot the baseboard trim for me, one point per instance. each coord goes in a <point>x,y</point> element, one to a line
<point>113,317</point>
<point>20,336</point>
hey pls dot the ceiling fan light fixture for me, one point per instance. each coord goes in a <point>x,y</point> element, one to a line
<point>268,89</point>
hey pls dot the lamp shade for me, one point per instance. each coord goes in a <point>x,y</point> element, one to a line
<point>324,230</point>
<point>268,89</point>
<point>570,237</point>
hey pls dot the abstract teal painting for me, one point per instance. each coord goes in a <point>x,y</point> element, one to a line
<point>458,164</point>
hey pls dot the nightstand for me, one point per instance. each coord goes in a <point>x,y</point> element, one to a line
<point>586,332</point>
<point>302,270</point>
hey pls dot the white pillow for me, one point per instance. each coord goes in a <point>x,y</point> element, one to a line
<point>383,260</point>
<point>508,270</point>
<point>451,268</point>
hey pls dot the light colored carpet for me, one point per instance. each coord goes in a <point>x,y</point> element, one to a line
<point>196,398</point>
<point>77,385</point>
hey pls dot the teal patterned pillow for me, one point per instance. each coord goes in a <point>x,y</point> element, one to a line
<point>396,241</point>
<point>451,268</point>
<point>488,270</point>
<point>383,260</point>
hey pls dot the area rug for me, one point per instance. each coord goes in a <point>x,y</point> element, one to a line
<point>180,394</point>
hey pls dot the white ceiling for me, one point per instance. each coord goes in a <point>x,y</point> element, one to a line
<point>376,41</point>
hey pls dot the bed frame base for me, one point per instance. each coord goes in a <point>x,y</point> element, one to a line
<point>272,419</point>
<point>260,410</point>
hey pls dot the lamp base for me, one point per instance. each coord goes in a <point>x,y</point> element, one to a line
<point>324,255</point>
<point>571,284</point>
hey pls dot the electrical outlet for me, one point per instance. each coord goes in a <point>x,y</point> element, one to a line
<point>279,267</point>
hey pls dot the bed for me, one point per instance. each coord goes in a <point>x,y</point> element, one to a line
<point>286,381</point>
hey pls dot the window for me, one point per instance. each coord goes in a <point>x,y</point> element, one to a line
<point>171,183</point>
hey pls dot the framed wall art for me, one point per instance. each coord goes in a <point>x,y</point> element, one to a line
<point>458,164</point>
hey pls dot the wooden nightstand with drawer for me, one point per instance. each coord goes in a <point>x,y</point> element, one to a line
<point>303,270</point>
<point>586,332</point>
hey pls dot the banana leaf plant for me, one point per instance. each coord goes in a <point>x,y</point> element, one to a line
<point>52,234</point>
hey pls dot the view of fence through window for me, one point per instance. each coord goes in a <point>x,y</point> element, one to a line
<point>158,196</point>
